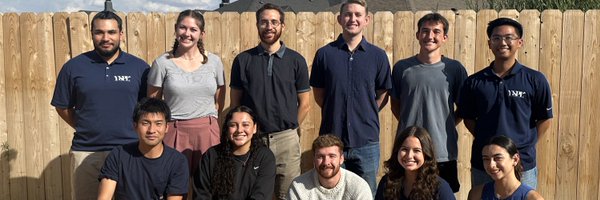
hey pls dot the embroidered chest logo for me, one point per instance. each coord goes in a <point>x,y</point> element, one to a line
<point>123,78</point>
<point>516,93</point>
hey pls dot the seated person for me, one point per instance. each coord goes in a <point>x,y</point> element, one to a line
<point>411,170</point>
<point>327,180</point>
<point>502,162</point>
<point>241,166</point>
<point>146,169</point>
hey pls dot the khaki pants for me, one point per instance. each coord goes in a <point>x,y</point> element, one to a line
<point>86,168</point>
<point>286,147</point>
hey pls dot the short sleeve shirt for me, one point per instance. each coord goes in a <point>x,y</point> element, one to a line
<point>139,177</point>
<point>270,85</point>
<point>190,95</point>
<point>350,81</point>
<point>427,93</point>
<point>508,106</point>
<point>103,96</point>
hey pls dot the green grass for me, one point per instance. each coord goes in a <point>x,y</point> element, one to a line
<point>533,4</point>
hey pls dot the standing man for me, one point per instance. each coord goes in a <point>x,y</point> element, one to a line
<point>95,94</point>
<point>272,80</point>
<point>350,78</point>
<point>506,98</point>
<point>425,88</point>
<point>327,180</point>
<point>146,169</point>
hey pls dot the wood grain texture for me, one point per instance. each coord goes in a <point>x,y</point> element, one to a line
<point>137,38</point>
<point>4,148</point>
<point>483,55</point>
<point>156,29</point>
<point>529,54</point>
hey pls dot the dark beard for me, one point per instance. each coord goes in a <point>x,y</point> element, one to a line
<point>106,54</point>
<point>270,42</point>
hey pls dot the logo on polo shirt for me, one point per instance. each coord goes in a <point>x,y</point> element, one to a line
<point>123,78</point>
<point>516,93</point>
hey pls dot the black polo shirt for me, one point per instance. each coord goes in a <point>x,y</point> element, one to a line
<point>270,85</point>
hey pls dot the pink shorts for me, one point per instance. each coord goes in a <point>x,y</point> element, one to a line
<point>193,137</point>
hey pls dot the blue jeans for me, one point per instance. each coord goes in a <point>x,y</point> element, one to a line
<point>528,177</point>
<point>364,162</point>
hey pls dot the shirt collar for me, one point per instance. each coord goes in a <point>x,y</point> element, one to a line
<point>95,58</point>
<point>341,43</point>
<point>279,53</point>
<point>516,68</point>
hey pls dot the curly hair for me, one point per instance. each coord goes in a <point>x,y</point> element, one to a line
<point>200,23</point>
<point>426,184</point>
<point>223,178</point>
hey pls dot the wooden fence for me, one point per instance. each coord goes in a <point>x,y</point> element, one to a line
<point>565,46</point>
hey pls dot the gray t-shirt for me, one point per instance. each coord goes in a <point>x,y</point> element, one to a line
<point>189,94</point>
<point>350,187</point>
<point>427,93</point>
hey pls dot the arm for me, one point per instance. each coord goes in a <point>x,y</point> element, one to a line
<point>319,95</point>
<point>154,92</point>
<point>264,184</point>
<point>68,115</point>
<point>475,193</point>
<point>235,97</point>
<point>395,103</point>
<point>542,126</point>
<point>381,98</point>
<point>303,106</point>
<point>202,185</point>
<point>533,195</point>
<point>174,197</point>
<point>106,190</point>
<point>470,124</point>
<point>220,98</point>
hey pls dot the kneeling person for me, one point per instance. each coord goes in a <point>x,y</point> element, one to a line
<point>328,180</point>
<point>146,169</point>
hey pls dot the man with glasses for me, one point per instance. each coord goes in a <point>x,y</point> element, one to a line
<point>272,80</point>
<point>506,98</point>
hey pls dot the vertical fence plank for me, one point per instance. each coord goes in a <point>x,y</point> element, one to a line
<point>464,49</point>
<point>213,40</point>
<point>289,35</point>
<point>418,15</point>
<point>14,106</point>
<point>136,35</point>
<point>170,20</point>
<point>4,148</point>
<point>384,38</point>
<point>308,26</point>
<point>79,30</point>
<point>587,181</point>
<point>570,94</point>
<point>512,13</point>
<point>62,53</point>
<point>155,33</point>
<point>368,31</point>
<point>403,35</point>
<point>530,52</point>
<point>549,64</point>
<point>249,38</point>
<point>483,55</point>
<point>230,27</point>
<point>448,48</point>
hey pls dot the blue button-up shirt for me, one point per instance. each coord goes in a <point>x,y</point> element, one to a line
<point>350,80</point>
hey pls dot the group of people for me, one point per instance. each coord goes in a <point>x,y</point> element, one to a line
<point>146,132</point>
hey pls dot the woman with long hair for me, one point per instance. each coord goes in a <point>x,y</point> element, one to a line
<point>192,82</point>
<point>241,166</point>
<point>502,162</point>
<point>412,173</point>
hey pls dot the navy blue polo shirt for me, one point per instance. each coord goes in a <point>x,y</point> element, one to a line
<point>350,81</point>
<point>508,106</point>
<point>103,97</point>
<point>270,85</point>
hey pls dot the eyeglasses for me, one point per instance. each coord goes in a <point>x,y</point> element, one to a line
<point>265,23</point>
<point>508,39</point>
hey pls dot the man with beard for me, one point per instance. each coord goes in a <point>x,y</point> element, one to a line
<point>272,80</point>
<point>95,94</point>
<point>350,78</point>
<point>327,180</point>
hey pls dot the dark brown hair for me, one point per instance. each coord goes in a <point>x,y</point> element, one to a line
<point>200,22</point>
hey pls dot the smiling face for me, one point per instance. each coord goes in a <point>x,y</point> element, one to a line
<point>241,127</point>
<point>269,26</point>
<point>151,129</point>
<point>498,163</point>
<point>328,161</point>
<point>188,33</point>
<point>106,37</point>
<point>505,42</point>
<point>431,36</point>
<point>410,155</point>
<point>353,19</point>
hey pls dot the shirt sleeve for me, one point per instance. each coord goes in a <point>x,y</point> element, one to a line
<point>396,80</point>
<point>202,188</point>
<point>459,79</point>
<point>265,179</point>
<point>381,188</point>
<point>220,71</point>
<point>293,193</point>
<point>179,177</point>
<point>64,97</point>
<point>466,101</point>
<point>383,80</point>
<point>542,101</point>
<point>236,76</point>
<point>317,72</point>
<point>157,73</point>
<point>110,169</point>
<point>445,192</point>
<point>302,84</point>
